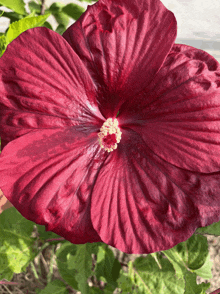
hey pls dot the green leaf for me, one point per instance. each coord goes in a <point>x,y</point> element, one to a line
<point>75,263</point>
<point>61,18</point>
<point>73,10</point>
<point>192,287</point>
<point>32,14</point>
<point>63,255</point>
<point>125,283</point>
<point>18,27</point>
<point>148,278</point>
<point>94,290</point>
<point>191,258</point>
<point>56,7</point>
<point>33,6</point>
<point>189,255</point>
<point>3,46</point>
<point>55,287</point>
<point>16,5</point>
<point>206,270</point>
<point>213,229</point>
<point>107,266</point>
<point>16,243</point>
<point>46,234</point>
<point>60,29</point>
<point>47,25</point>
<point>109,289</point>
<point>82,263</point>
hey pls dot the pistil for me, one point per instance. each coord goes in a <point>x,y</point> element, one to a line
<point>109,135</point>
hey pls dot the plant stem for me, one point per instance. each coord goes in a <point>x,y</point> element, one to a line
<point>42,7</point>
<point>34,270</point>
<point>50,273</point>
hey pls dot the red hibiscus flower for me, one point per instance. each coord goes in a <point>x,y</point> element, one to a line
<point>111,133</point>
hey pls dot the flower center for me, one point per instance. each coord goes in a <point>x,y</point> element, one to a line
<point>109,135</point>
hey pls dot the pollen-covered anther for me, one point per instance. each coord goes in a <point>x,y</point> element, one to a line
<point>109,135</point>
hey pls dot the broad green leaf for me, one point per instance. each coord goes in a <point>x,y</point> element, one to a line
<point>73,10</point>
<point>60,16</point>
<point>56,7</point>
<point>75,262</point>
<point>196,251</point>
<point>63,254</point>
<point>32,14</point>
<point>94,290</point>
<point>48,25</point>
<point>46,234</point>
<point>107,266</point>
<point>18,27</point>
<point>55,287</point>
<point>109,289</point>
<point>60,29</point>
<point>125,283</point>
<point>15,5</point>
<point>82,263</point>
<point>191,258</point>
<point>16,243</point>
<point>148,278</point>
<point>189,255</point>
<point>5,273</point>
<point>192,287</point>
<point>206,270</point>
<point>33,6</point>
<point>213,229</point>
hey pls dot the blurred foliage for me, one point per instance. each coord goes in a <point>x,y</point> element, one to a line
<point>21,20</point>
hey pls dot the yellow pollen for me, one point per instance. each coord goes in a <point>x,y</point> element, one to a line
<point>109,135</point>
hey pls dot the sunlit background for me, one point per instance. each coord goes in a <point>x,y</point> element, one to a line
<point>198,22</point>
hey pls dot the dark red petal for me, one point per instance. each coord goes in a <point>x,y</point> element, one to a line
<point>48,176</point>
<point>178,115</point>
<point>43,84</point>
<point>123,44</point>
<point>142,204</point>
